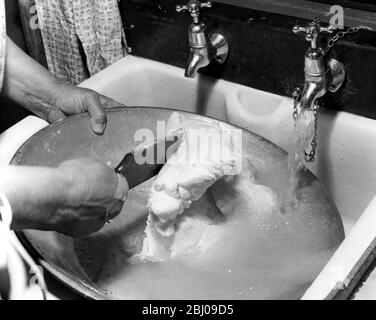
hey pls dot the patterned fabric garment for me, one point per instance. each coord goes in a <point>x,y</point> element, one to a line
<point>81,37</point>
<point>3,42</point>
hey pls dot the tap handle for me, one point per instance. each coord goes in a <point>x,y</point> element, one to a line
<point>194,7</point>
<point>313,30</point>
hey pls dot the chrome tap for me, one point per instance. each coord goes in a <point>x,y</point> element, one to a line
<point>202,47</point>
<point>321,74</point>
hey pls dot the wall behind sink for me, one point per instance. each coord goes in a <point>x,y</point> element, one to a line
<point>264,53</point>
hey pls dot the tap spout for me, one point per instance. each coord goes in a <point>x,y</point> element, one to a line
<point>314,88</point>
<point>197,60</point>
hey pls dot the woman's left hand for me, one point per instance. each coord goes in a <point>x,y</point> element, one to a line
<point>69,100</point>
<point>36,89</point>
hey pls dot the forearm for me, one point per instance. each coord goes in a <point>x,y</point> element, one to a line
<point>28,83</point>
<point>34,193</point>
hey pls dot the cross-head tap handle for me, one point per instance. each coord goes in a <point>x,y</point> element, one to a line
<point>313,30</point>
<point>194,7</point>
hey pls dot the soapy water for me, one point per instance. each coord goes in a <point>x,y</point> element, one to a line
<point>250,244</point>
<point>263,234</point>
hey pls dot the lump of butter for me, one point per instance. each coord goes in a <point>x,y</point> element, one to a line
<point>208,151</point>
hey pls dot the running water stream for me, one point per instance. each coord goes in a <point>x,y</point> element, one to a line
<point>304,130</point>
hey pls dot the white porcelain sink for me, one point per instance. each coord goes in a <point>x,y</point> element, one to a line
<point>346,162</point>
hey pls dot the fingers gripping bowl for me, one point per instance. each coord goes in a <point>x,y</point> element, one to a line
<point>252,254</point>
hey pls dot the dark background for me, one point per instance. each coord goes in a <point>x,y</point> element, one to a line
<point>365,5</point>
<point>264,53</point>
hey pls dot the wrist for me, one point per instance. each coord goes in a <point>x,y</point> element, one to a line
<point>37,206</point>
<point>56,91</point>
<point>58,199</point>
<point>69,185</point>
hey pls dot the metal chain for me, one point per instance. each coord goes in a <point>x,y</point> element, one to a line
<point>310,156</point>
<point>296,94</point>
<point>342,34</point>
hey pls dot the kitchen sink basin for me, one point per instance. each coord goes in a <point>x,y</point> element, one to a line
<point>346,162</point>
<point>345,165</point>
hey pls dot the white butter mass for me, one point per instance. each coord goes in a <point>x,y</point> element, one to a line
<point>208,151</point>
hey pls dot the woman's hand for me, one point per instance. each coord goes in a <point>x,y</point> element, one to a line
<point>77,198</point>
<point>33,87</point>
<point>96,196</point>
<point>69,100</point>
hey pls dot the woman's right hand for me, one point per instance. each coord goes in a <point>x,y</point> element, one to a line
<point>76,198</point>
<point>96,195</point>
